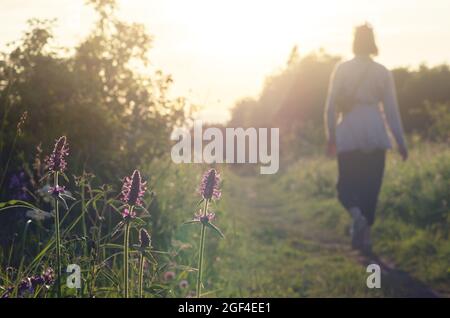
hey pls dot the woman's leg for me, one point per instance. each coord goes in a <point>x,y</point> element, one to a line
<point>349,182</point>
<point>374,163</point>
<point>348,179</point>
<point>373,172</point>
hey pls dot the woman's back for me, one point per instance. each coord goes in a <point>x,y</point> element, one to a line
<point>363,76</point>
<point>363,126</point>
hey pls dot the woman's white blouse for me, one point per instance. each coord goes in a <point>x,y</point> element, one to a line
<point>364,127</point>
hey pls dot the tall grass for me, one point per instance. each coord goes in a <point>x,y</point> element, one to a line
<point>57,239</point>
<point>295,216</point>
<point>87,233</point>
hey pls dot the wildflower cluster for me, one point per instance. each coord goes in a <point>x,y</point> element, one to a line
<point>132,194</point>
<point>29,285</point>
<point>129,203</point>
<point>133,189</point>
<point>209,190</point>
<point>56,162</point>
<point>209,186</point>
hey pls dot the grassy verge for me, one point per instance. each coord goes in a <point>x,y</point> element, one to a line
<point>288,237</point>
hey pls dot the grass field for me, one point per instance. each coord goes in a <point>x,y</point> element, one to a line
<point>287,236</point>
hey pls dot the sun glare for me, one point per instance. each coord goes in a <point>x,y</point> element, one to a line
<point>221,51</point>
<point>222,38</point>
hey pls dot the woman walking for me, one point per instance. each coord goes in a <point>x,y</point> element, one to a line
<point>361,103</point>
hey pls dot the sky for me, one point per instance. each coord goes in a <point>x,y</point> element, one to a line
<point>221,51</point>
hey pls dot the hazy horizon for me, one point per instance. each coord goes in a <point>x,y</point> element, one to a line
<point>219,52</point>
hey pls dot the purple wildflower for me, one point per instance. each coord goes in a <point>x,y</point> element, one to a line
<point>18,186</point>
<point>7,292</point>
<point>133,189</point>
<point>128,214</point>
<point>37,280</point>
<point>204,218</point>
<point>169,275</point>
<point>183,284</point>
<point>48,276</point>
<point>29,284</point>
<point>209,187</point>
<point>25,286</point>
<point>144,239</point>
<point>57,161</point>
<point>56,191</point>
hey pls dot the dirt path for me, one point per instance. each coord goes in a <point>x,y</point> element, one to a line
<point>400,281</point>
<point>283,252</point>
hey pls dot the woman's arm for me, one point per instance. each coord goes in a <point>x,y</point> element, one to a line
<point>394,121</point>
<point>330,107</point>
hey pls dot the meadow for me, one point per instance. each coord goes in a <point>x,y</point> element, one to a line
<point>86,179</point>
<point>285,235</point>
<point>289,237</point>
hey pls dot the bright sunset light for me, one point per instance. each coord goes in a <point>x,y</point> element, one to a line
<point>221,51</point>
<point>247,153</point>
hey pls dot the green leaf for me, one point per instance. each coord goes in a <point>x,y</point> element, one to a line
<point>65,177</point>
<point>47,175</point>
<point>160,252</point>
<point>216,229</point>
<point>148,255</point>
<point>138,222</point>
<point>191,222</point>
<point>116,209</point>
<point>111,245</point>
<point>61,199</point>
<point>65,195</point>
<point>12,204</point>
<point>200,202</point>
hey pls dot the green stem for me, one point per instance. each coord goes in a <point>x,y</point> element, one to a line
<point>141,274</point>
<point>125,258</point>
<point>58,240</point>
<point>202,248</point>
<point>83,218</point>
